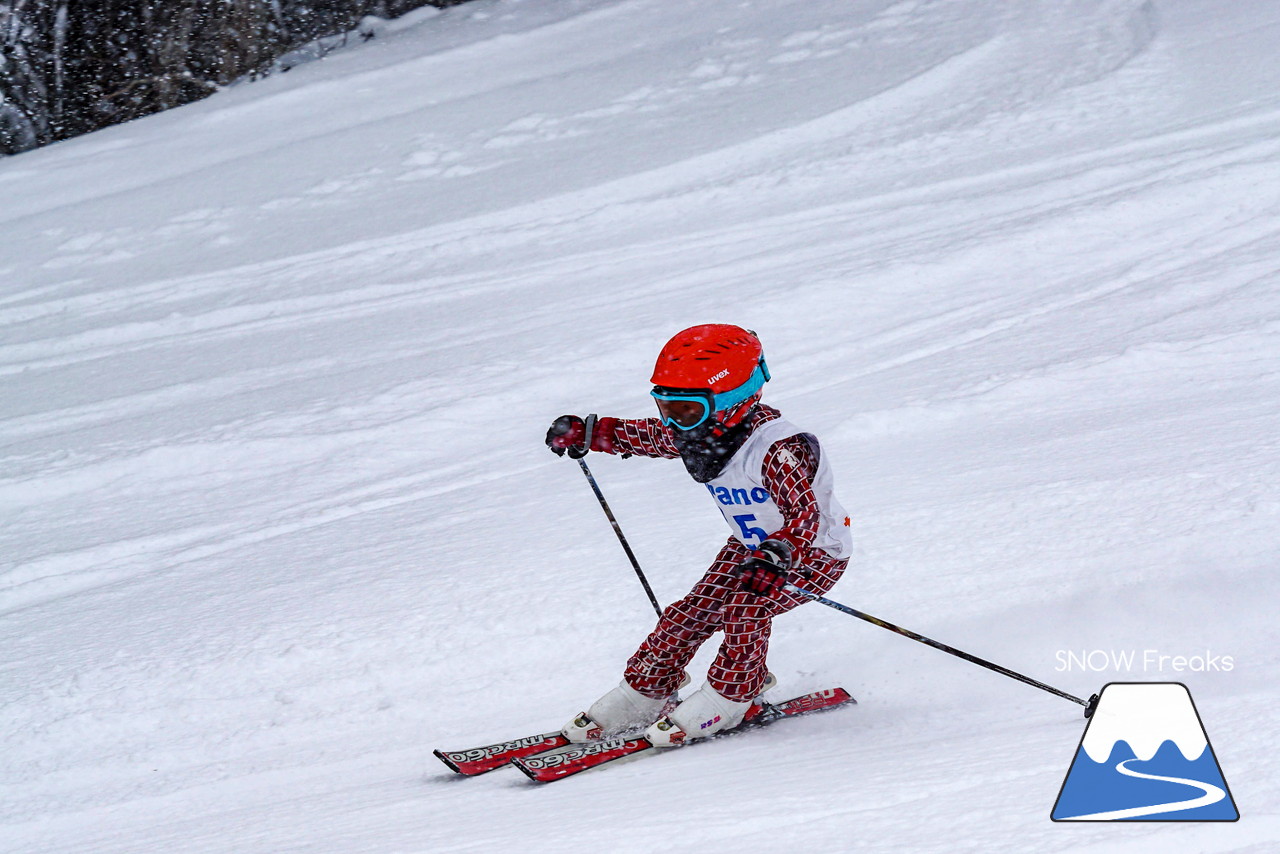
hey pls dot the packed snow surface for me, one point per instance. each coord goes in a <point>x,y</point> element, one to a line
<point>275,370</point>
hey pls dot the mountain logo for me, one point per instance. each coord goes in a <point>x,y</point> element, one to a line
<point>1145,756</point>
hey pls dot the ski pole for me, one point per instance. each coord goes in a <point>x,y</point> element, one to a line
<point>1089,705</point>
<point>617,529</point>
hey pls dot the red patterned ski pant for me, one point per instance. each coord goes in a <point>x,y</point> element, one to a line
<point>716,603</point>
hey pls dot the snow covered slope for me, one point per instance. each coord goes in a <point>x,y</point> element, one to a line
<point>275,370</point>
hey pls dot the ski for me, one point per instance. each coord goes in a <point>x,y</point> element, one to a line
<point>479,760</point>
<point>558,763</point>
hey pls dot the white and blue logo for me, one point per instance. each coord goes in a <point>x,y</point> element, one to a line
<point>1145,757</point>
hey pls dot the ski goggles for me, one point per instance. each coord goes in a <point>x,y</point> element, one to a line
<point>685,409</point>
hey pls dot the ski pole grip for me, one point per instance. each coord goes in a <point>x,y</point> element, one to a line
<point>588,433</point>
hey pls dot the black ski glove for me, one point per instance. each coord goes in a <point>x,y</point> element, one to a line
<point>767,569</point>
<point>571,434</point>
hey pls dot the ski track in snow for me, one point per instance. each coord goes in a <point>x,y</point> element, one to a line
<point>275,369</point>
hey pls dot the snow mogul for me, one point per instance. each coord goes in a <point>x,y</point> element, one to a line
<point>773,485</point>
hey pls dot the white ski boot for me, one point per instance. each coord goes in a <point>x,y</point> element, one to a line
<point>705,713</point>
<point>624,709</point>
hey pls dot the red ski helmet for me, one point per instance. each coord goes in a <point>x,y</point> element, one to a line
<point>714,370</point>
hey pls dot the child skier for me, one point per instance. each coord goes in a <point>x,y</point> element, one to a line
<point>774,488</point>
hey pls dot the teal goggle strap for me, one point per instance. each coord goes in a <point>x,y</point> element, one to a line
<point>734,396</point>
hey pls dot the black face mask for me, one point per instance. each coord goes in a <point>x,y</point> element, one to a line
<point>704,453</point>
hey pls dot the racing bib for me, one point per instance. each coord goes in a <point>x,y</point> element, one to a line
<point>749,509</point>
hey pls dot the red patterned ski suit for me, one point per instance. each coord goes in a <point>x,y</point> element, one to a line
<point>716,603</point>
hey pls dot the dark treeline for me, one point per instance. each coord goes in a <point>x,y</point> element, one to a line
<point>68,67</point>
